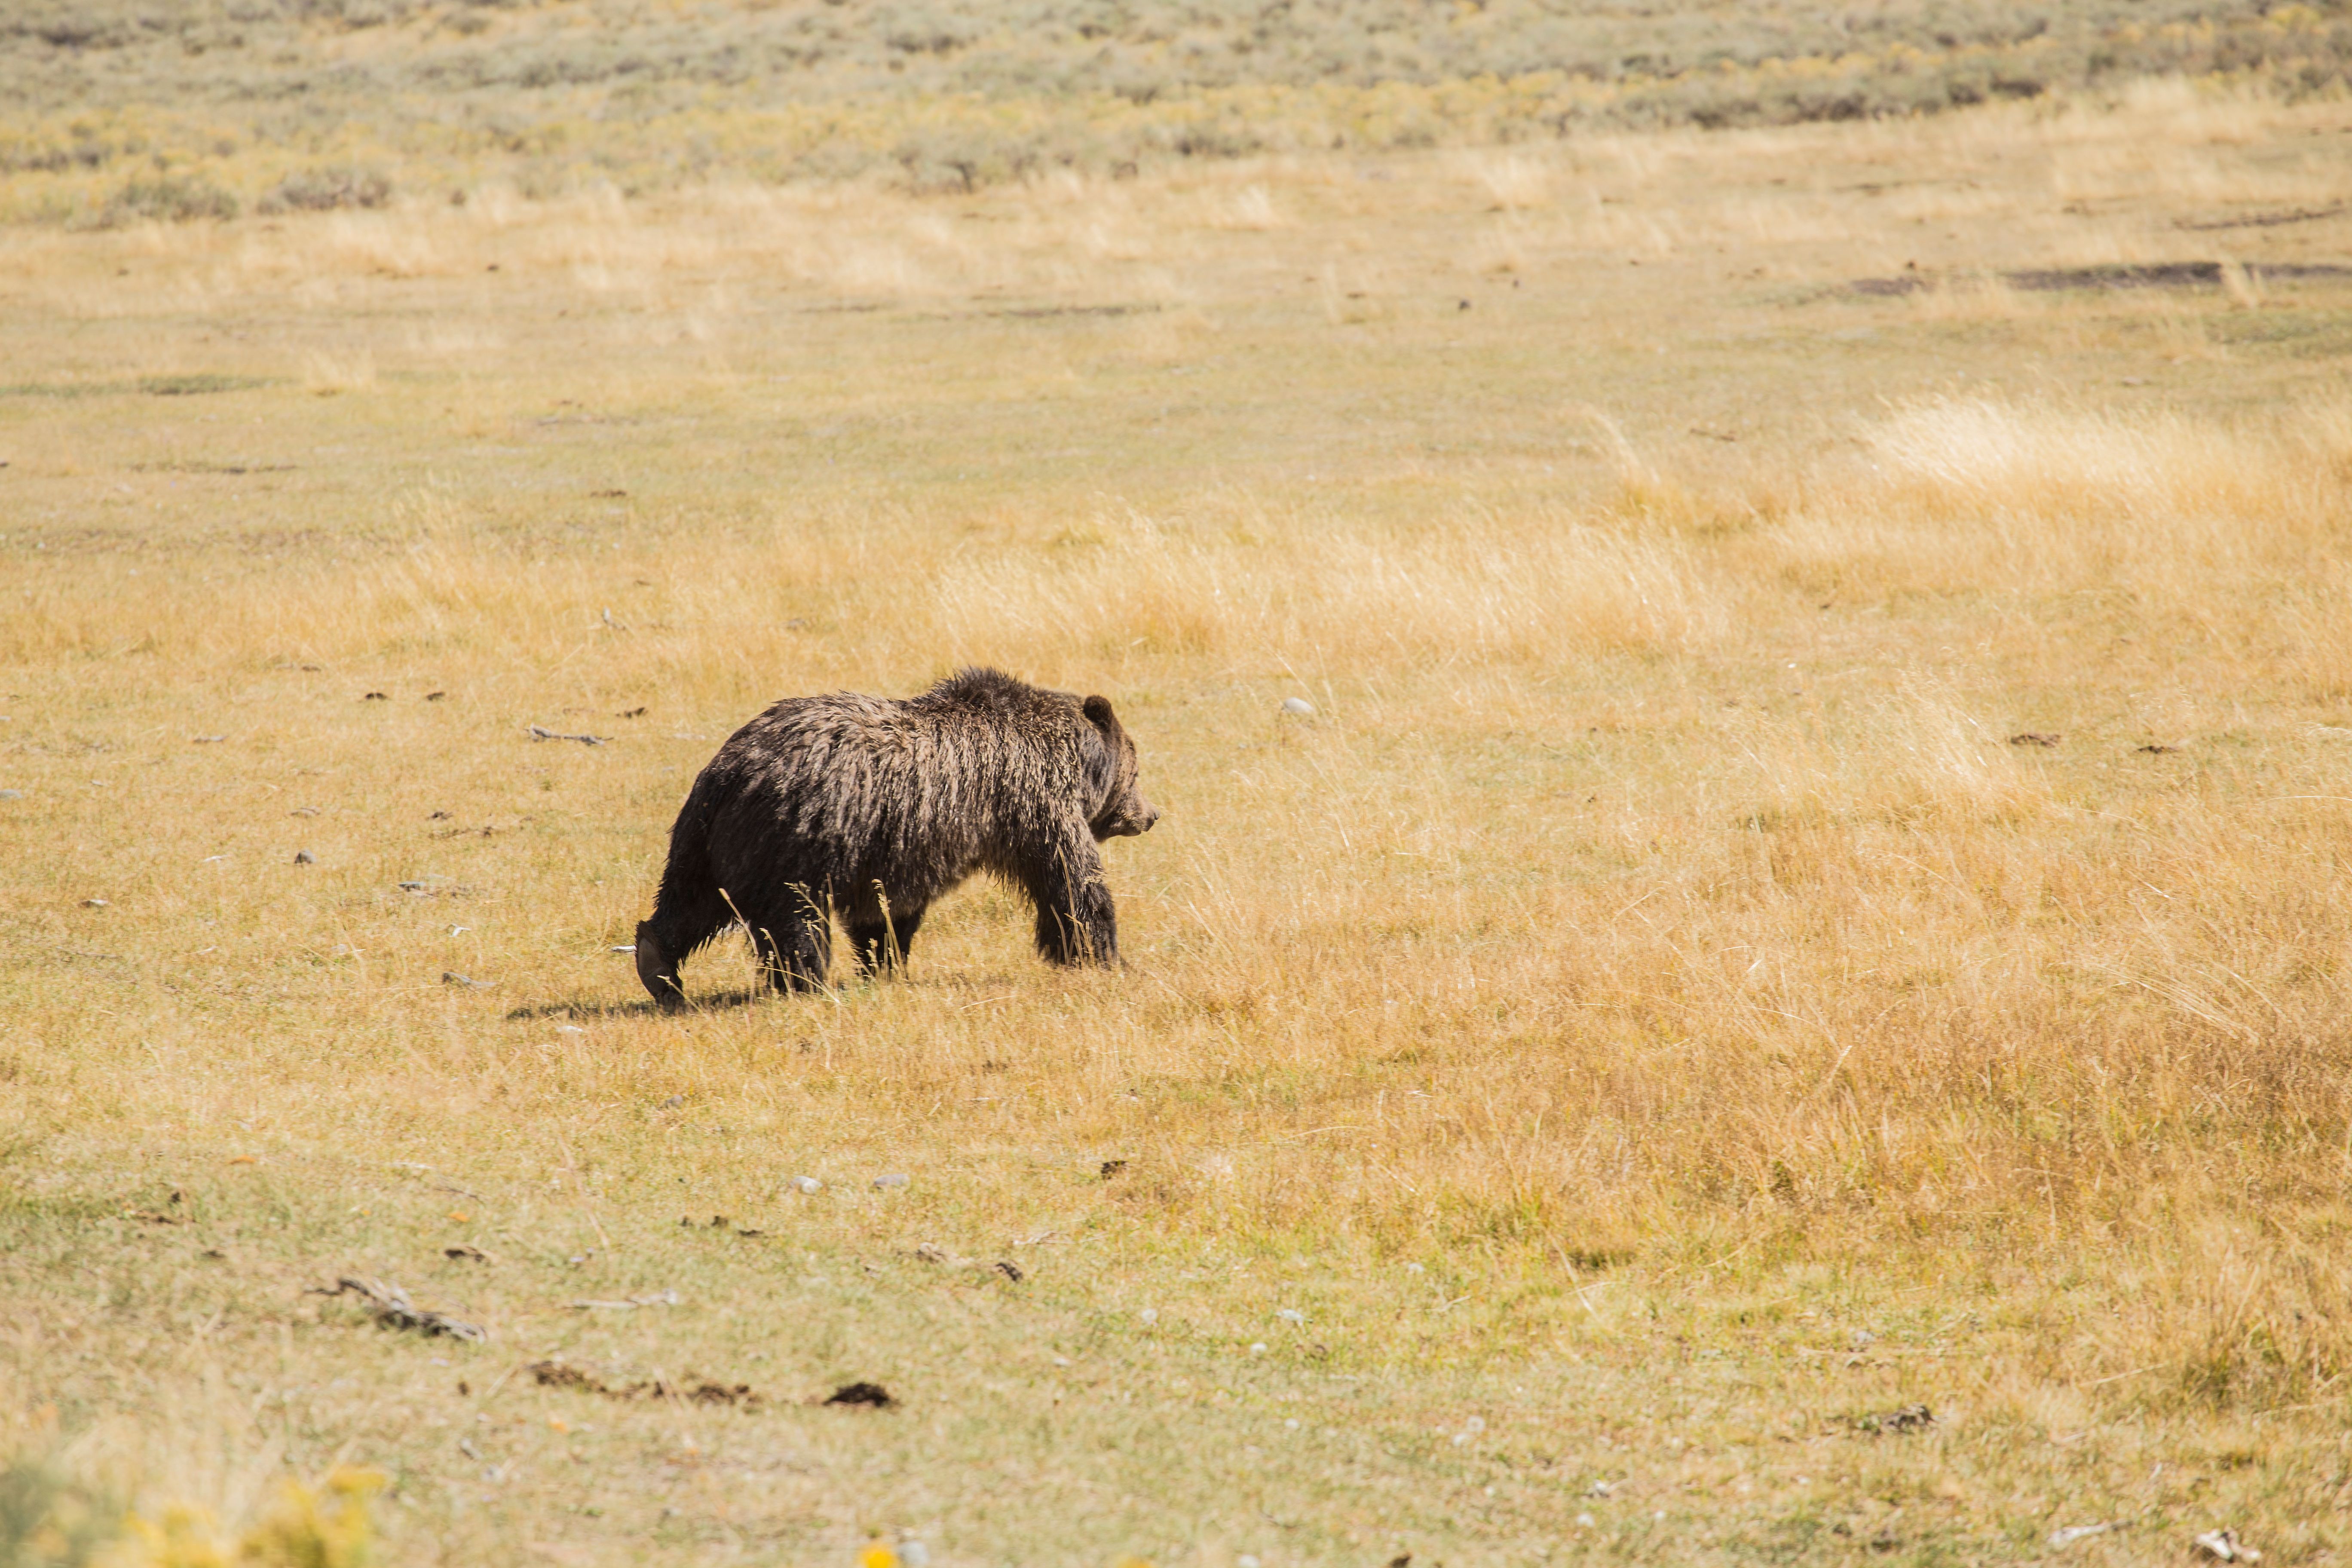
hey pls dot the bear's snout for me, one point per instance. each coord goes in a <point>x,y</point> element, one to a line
<point>1136,818</point>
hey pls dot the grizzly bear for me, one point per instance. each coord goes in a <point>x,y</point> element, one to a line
<point>870,809</point>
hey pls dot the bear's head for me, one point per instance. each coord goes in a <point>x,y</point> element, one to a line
<point>1120,811</point>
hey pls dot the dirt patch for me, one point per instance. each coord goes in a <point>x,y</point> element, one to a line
<point>2148,274</point>
<point>690,1390</point>
<point>871,1395</point>
<point>1044,312</point>
<point>2261,220</point>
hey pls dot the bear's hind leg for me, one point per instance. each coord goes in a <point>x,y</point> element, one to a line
<point>883,945</point>
<point>794,950</point>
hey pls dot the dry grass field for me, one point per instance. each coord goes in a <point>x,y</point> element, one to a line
<point>1817,878</point>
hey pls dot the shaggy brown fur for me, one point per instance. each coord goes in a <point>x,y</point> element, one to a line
<point>870,809</point>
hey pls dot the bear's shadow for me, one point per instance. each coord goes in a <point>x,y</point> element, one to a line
<point>643,1007</point>
<point>745,996</point>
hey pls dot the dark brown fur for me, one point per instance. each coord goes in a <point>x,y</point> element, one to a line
<point>870,809</point>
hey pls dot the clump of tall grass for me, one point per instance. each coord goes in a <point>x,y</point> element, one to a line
<point>48,1522</point>
<point>2037,498</point>
<point>49,1518</point>
<point>324,190</point>
<point>167,198</point>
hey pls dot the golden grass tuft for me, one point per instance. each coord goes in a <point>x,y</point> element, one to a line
<point>1275,587</point>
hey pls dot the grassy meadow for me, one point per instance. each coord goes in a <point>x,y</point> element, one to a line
<point>1818,878</point>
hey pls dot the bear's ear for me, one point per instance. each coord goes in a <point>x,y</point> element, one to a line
<point>1101,747</point>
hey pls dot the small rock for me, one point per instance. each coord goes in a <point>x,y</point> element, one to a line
<point>1257,1347</point>
<point>631,948</point>
<point>11,795</point>
<point>891,1179</point>
<point>914,1554</point>
<point>2069,1534</point>
<point>1291,1315</point>
<point>2223,1546</point>
<point>805,1185</point>
<point>304,857</point>
<point>673,1102</point>
<point>1299,707</point>
<point>1150,1315</point>
<point>1585,1522</point>
<point>94,903</point>
<point>209,740</point>
<point>1602,1488</point>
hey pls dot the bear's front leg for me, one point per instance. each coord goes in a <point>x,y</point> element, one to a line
<point>1076,922</point>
